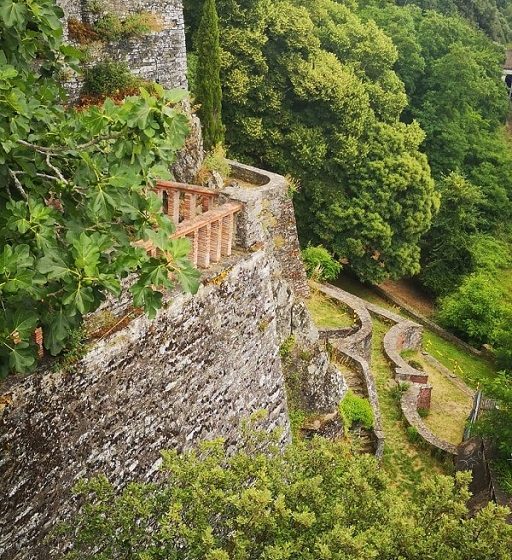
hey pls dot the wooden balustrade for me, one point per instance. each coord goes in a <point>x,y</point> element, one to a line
<point>183,202</point>
<point>193,210</point>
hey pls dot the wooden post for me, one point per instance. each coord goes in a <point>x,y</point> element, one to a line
<point>189,206</point>
<point>215,241</point>
<point>204,239</point>
<point>195,246</point>
<point>227,235</point>
<point>173,206</point>
<point>38,338</point>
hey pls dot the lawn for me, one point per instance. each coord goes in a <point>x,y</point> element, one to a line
<point>407,463</point>
<point>450,406</point>
<point>328,314</point>
<point>472,369</point>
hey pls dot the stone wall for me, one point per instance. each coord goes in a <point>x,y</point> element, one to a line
<point>358,342</point>
<point>203,365</point>
<point>192,374</point>
<point>159,56</point>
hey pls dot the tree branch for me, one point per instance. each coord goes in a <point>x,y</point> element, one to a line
<point>55,151</point>
<point>19,186</point>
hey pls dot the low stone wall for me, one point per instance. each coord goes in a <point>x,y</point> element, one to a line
<point>426,322</point>
<point>360,365</point>
<point>404,336</point>
<point>352,346</point>
<point>268,219</point>
<point>359,342</point>
<point>409,405</point>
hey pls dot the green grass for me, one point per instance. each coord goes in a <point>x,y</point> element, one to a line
<point>407,463</point>
<point>504,279</point>
<point>472,369</point>
<point>450,406</point>
<point>327,314</point>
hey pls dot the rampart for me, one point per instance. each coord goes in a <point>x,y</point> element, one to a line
<point>195,372</point>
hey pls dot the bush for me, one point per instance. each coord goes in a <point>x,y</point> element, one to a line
<point>320,264</point>
<point>109,27</point>
<point>356,409</point>
<point>138,25</point>
<point>475,309</point>
<point>108,77</point>
<point>215,160</point>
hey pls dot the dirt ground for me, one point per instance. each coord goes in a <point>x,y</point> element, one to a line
<point>412,294</point>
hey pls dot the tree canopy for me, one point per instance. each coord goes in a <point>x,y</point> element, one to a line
<point>309,89</point>
<point>313,501</point>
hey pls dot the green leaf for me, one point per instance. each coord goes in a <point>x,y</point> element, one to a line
<point>82,297</point>
<point>146,297</point>
<point>24,322</point>
<point>22,357</point>
<point>189,278</point>
<point>13,14</point>
<point>53,267</point>
<point>87,255</point>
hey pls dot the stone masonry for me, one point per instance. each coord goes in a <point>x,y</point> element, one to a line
<point>159,56</point>
<point>205,363</point>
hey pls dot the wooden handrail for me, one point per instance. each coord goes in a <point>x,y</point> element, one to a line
<point>189,226</point>
<point>185,188</point>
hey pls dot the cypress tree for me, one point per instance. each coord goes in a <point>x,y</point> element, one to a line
<point>208,88</point>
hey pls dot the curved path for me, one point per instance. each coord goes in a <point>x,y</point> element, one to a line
<point>354,348</point>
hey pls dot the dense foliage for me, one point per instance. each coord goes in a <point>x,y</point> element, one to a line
<point>492,16</point>
<point>208,88</point>
<point>356,410</point>
<point>309,89</point>
<point>320,264</point>
<point>77,191</point>
<point>314,501</point>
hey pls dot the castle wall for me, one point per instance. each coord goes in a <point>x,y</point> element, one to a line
<point>204,364</point>
<point>159,56</point>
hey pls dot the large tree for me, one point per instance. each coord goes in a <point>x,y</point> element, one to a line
<point>309,89</point>
<point>314,501</point>
<point>207,84</point>
<point>76,191</point>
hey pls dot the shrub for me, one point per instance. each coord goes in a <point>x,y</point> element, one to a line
<point>215,160</point>
<point>356,409</point>
<point>287,346</point>
<point>320,264</point>
<point>81,32</point>
<point>109,27</point>
<point>141,24</point>
<point>423,412</point>
<point>475,309</point>
<point>108,77</point>
<point>398,390</point>
<point>412,434</point>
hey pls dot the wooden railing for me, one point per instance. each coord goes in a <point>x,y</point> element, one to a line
<point>195,213</point>
<point>184,202</point>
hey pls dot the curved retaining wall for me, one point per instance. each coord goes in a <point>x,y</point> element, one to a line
<point>403,335</point>
<point>359,342</point>
<point>409,405</point>
<point>407,335</point>
<point>353,346</point>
